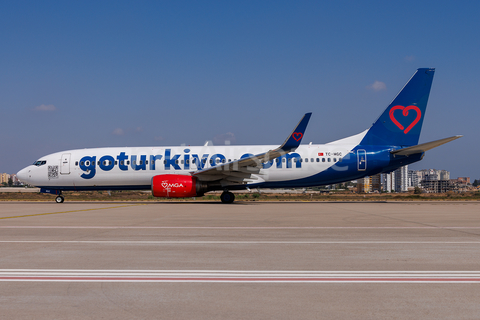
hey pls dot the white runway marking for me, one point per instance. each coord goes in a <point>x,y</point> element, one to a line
<point>249,276</point>
<point>261,228</point>
<point>123,242</point>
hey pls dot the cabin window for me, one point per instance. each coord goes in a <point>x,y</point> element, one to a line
<point>87,163</point>
<point>318,159</point>
<point>116,162</point>
<point>164,161</point>
<point>283,160</point>
<point>211,161</point>
<point>339,159</point>
<point>146,161</point>
<point>328,159</point>
<point>128,162</point>
<point>76,163</point>
<point>223,160</point>
<point>181,161</point>
<point>187,161</point>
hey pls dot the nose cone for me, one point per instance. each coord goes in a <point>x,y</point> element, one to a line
<point>22,175</point>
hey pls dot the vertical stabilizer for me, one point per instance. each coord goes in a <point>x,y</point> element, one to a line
<point>401,123</point>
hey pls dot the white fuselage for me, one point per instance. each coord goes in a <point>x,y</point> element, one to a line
<point>135,167</point>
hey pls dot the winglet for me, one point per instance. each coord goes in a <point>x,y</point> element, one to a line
<point>295,138</point>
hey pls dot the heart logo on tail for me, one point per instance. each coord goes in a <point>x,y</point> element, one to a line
<point>297,136</point>
<point>405,113</point>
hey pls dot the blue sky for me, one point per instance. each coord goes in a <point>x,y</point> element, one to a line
<point>116,73</point>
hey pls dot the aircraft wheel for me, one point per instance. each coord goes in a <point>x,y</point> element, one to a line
<point>227,197</point>
<point>59,199</point>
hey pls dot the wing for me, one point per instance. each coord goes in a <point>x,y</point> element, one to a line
<point>423,147</point>
<point>246,170</point>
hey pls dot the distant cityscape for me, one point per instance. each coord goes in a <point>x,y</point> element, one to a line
<point>9,180</point>
<point>420,181</point>
<point>400,180</point>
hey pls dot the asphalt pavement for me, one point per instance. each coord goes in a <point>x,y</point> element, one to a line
<point>255,260</point>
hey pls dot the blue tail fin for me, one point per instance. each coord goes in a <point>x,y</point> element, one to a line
<point>401,123</point>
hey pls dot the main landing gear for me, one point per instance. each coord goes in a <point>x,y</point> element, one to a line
<point>227,197</point>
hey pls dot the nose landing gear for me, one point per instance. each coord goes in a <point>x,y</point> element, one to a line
<point>59,199</point>
<point>58,193</point>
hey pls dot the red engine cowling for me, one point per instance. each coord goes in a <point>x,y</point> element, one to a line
<point>174,186</point>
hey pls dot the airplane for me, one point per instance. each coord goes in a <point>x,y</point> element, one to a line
<point>180,172</point>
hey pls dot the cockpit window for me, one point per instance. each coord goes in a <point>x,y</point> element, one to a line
<point>39,163</point>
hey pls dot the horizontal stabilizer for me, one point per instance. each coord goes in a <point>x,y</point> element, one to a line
<point>423,147</point>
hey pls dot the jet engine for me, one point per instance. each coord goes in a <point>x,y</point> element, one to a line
<point>176,186</point>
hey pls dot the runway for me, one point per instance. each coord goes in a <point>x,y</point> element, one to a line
<point>255,260</point>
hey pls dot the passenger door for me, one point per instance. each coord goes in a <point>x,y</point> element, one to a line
<point>65,164</point>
